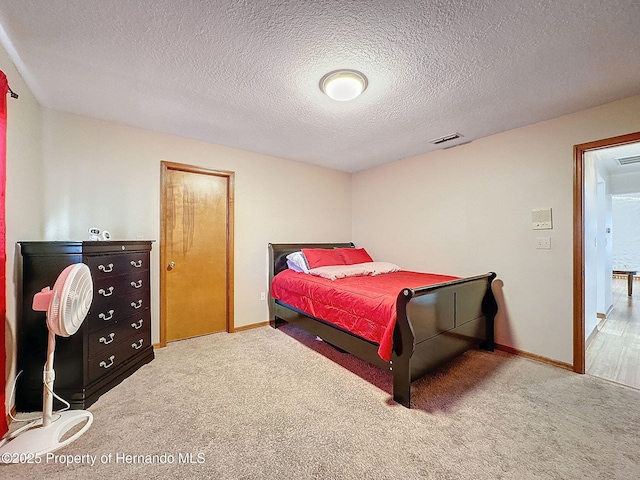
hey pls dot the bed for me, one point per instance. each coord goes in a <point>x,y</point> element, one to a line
<point>433,323</point>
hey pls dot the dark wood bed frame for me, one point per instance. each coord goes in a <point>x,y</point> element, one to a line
<point>434,323</point>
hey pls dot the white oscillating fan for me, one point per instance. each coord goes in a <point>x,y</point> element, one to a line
<point>67,306</point>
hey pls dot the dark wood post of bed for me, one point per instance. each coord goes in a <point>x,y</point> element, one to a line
<point>490,310</point>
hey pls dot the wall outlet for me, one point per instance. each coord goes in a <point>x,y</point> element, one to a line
<point>543,243</point>
<point>263,296</point>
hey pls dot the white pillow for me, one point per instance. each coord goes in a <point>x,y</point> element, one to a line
<point>334,272</point>
<point>297,262</point>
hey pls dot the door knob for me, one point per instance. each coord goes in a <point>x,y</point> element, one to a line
<point>171,265</point>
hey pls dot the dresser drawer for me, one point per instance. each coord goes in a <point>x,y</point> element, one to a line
<point>137,324</point>
<point>110,359</point>
<point>137,303</point>
<point>108,265</point>
<point>104,339</point>
<point>107,338</point>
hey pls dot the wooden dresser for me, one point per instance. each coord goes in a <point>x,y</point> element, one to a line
<point>113,341</point>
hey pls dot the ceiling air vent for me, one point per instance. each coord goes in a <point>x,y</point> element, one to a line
<point>628,160</point>
<point>446,138</point>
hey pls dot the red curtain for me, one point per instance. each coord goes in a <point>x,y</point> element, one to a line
<point>4,88</point>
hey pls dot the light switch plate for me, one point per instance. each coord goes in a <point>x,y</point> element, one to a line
<point>543,243</point>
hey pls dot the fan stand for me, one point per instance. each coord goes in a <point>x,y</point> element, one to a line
<point>46,435</point>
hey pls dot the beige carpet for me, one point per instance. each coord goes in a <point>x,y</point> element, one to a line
<point>267,404</point>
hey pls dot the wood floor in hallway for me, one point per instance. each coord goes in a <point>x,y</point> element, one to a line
<point>614,352</point>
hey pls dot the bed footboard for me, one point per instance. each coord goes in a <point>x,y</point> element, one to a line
<point>436,324</point>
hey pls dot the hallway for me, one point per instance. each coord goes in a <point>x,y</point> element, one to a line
<point>614,352</point>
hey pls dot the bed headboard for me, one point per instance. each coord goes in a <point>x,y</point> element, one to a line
<point>278,253</point>
<point>278,257</point>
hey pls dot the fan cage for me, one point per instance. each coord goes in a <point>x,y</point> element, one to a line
<point>72,295</point>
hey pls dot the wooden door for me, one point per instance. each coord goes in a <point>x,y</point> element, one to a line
<point>196,251</point>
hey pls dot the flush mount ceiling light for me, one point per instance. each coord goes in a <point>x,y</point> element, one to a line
<point>343,85</point>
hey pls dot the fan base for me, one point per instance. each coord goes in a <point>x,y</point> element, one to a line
<point>39,440</point>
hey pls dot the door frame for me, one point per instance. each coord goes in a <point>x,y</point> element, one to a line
<point>579,365</point>
<point>165,166</point>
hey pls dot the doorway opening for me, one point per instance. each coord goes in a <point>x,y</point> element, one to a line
<point>590,240</point>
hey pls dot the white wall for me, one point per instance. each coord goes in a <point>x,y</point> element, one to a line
<point>467,210</point>
<point>604,262</point>
<point>107,175</point>
<point>598,256</point>
<point>24,197</point>
<point>625,183</point>
<point>626,232</point>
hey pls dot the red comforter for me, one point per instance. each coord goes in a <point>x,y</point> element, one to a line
<point>364,306</point>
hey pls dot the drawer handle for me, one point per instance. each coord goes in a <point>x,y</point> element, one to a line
<point>137,264</point>
<point>104,364</point>
<point>104,339</point>
<point>137,345</point>
<point>107,269</point>
<point>137,325</point>
<point>137,284</point>
<point>137,304</point>
<point>106,293</point>
<point>102,316</point>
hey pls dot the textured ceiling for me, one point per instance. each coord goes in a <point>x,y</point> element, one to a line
<point>245,73</point>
